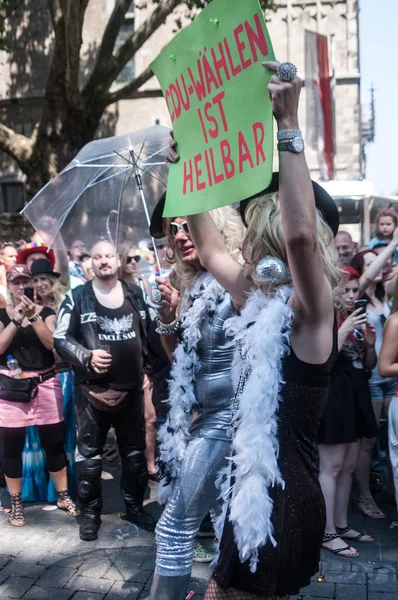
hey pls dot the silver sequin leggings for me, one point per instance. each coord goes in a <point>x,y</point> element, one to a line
<point>193,495</point>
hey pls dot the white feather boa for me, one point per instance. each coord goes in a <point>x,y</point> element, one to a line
<point>202,300</point>
<point>262,332</point>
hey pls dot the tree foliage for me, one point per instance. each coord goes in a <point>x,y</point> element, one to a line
<point>6,9</point>
<point>72,111</point>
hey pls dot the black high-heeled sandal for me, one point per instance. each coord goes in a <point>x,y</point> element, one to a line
<point>70,508</point>
<point>16,516</point>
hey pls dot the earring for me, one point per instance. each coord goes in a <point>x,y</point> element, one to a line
<point>272,270</point>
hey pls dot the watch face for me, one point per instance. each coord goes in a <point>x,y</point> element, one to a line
<point>298,144</point>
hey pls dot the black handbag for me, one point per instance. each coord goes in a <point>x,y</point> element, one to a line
<point>22,390</point>
<point>18,390</point>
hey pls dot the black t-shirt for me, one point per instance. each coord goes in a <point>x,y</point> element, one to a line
<point>26,346</point>
<point>119,328</point>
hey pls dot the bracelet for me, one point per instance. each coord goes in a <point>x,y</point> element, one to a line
<point>288,134</point>
<point>167,328</point>
<point>35,318</point>
<point>16,323</point>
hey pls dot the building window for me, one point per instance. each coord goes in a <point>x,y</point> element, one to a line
<point>126,31</point>
<point>24,129</point>
<point>12,197</point>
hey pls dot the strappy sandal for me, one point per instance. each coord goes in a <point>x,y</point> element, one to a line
<point>16,516</point>
<point>70,507</point>
<point>341,531</point>
<point>329,537</point>
<point>369,508</point>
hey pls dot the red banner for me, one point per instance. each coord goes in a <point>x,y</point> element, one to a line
<point>319,132</point>
<point>326,101</point>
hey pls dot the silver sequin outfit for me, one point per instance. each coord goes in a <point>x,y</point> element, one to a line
<point>194,492</point>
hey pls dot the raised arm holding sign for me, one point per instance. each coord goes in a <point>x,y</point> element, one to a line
<point>296,210</point>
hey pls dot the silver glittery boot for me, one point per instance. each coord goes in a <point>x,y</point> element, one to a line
<point>169,588</point>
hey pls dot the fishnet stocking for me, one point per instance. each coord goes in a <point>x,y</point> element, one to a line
<point>214,592</point>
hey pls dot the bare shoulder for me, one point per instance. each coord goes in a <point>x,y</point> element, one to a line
<point>323,316</point>
<point>312,339</point>
<point>318,311</point>
<point>391,326</point>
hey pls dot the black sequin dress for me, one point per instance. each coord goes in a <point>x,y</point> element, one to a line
<point>299,510</point>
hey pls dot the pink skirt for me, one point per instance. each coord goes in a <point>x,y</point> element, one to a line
<point>45,409</point>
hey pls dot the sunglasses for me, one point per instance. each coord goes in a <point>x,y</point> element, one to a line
<point>176,227</point>
<point>131,258</point>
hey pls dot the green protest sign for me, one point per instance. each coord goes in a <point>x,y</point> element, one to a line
<point>216,92</point>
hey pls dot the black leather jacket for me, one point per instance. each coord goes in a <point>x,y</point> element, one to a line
<point>76,330</point>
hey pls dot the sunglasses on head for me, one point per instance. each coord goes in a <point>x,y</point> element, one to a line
<point>135,258</point>
<point>176,227</point>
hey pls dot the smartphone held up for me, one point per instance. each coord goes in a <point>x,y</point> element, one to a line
<point>361,303</point>
<point>30,293</point>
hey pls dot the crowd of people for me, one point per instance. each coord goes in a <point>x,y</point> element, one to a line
<point>253,390</point>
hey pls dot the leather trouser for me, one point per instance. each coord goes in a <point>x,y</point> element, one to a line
<point>92,428</point>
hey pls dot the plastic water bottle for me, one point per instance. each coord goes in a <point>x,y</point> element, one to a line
<point>12,364</point>
<point>130,530</point>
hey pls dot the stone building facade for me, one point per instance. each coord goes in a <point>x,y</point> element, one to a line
<point>23,76</point>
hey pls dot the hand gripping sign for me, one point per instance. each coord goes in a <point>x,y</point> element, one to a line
<point>216,92</point>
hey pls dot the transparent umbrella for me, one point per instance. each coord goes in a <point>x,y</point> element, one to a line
<point>107,191</point>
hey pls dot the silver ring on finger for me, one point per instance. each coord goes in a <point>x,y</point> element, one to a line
<point>286,71</point>
<point>156,295</point>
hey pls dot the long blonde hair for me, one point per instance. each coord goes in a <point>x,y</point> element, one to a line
<point>55,295</point>
<point>228,223</point>
<point>264,235</point>
<point>123,261</point>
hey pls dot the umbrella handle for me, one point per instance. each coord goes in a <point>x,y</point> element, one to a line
<point>138,180</point>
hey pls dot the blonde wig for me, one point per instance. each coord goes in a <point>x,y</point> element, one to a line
<point>228,223</point>
<point>55,295</point>
<point>264,235</point>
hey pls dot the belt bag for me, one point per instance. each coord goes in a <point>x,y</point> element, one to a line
<point>107,400</point>
<point>22,390</point>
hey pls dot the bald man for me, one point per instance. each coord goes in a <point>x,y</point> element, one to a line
<point>102,331</point>
<point>345,247</point>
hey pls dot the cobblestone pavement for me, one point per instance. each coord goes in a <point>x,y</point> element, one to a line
<point>45,560</point>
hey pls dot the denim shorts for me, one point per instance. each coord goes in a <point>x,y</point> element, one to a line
<point>383,389</point>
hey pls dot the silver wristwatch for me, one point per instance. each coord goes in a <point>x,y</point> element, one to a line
<point>295,145</point>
